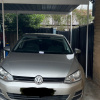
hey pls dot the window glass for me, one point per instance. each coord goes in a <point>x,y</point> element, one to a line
<point>46,45</point>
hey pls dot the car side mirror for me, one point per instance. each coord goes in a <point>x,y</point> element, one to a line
<point>7,48</point>
<point>77,51</point>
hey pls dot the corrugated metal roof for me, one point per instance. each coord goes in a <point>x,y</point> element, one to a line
<point>41,6</point>
<point>38,7</point>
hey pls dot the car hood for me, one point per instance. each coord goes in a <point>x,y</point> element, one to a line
<point>46,65</point>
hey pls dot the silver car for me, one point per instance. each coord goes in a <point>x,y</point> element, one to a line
<point>41,67</point>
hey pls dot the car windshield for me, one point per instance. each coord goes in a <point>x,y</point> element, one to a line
<point>44,45</point>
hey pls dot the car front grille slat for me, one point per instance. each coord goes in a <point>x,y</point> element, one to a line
<point>20,78</point>
<point>22,97</point>
<point>53,79</point>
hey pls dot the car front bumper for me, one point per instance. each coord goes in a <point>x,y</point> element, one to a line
<point>74,91</point>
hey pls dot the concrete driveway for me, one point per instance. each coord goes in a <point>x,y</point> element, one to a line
<point>92,91</point>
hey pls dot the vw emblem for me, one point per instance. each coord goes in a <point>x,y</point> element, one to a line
<point>38,80</point>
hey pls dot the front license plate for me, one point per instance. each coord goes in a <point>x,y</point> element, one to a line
<point>41,92</point>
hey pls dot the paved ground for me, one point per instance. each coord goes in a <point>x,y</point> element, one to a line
<point>92,91</point>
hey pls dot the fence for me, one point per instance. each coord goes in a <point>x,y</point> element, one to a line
<point>65,33</point>
<point>40,30</point>
<point>79,41</point>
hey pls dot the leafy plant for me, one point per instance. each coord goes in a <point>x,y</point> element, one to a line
<point>24,21</point>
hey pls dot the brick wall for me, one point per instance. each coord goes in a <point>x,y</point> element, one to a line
<point>96,59</point>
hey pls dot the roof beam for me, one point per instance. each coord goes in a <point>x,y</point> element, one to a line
<point>58,2</point>
<point>35,12</point>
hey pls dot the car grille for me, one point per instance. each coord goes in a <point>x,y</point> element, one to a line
<point>23,97</point>
<point>20,78</point>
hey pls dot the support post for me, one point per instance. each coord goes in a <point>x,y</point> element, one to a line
<point>87,40</point>
<point>71,30</point>
<point>17,27</point>
<point>3,27</point>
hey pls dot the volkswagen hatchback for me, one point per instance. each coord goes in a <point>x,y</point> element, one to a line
<point>41,67</point>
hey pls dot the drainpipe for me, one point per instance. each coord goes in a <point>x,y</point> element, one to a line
<point>71,30</point>
<point>87,40</point>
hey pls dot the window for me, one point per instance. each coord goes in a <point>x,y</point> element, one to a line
<point>46,45</point>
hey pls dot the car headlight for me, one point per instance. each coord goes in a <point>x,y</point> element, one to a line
<point>73,77</point>
<point>5,75</point>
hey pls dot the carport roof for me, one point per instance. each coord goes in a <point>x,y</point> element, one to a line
<point>41,6</point>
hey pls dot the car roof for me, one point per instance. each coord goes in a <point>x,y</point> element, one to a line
<point>43,34</point>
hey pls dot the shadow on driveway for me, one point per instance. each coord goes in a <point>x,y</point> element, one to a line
<point>92,91</point>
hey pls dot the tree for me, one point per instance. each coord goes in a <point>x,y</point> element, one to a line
<point>80,15</point>
<point>32,21</point>
<point>62,22</point>
<point>57,18</point>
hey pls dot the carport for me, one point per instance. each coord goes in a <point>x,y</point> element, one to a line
<point>42,7</point>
